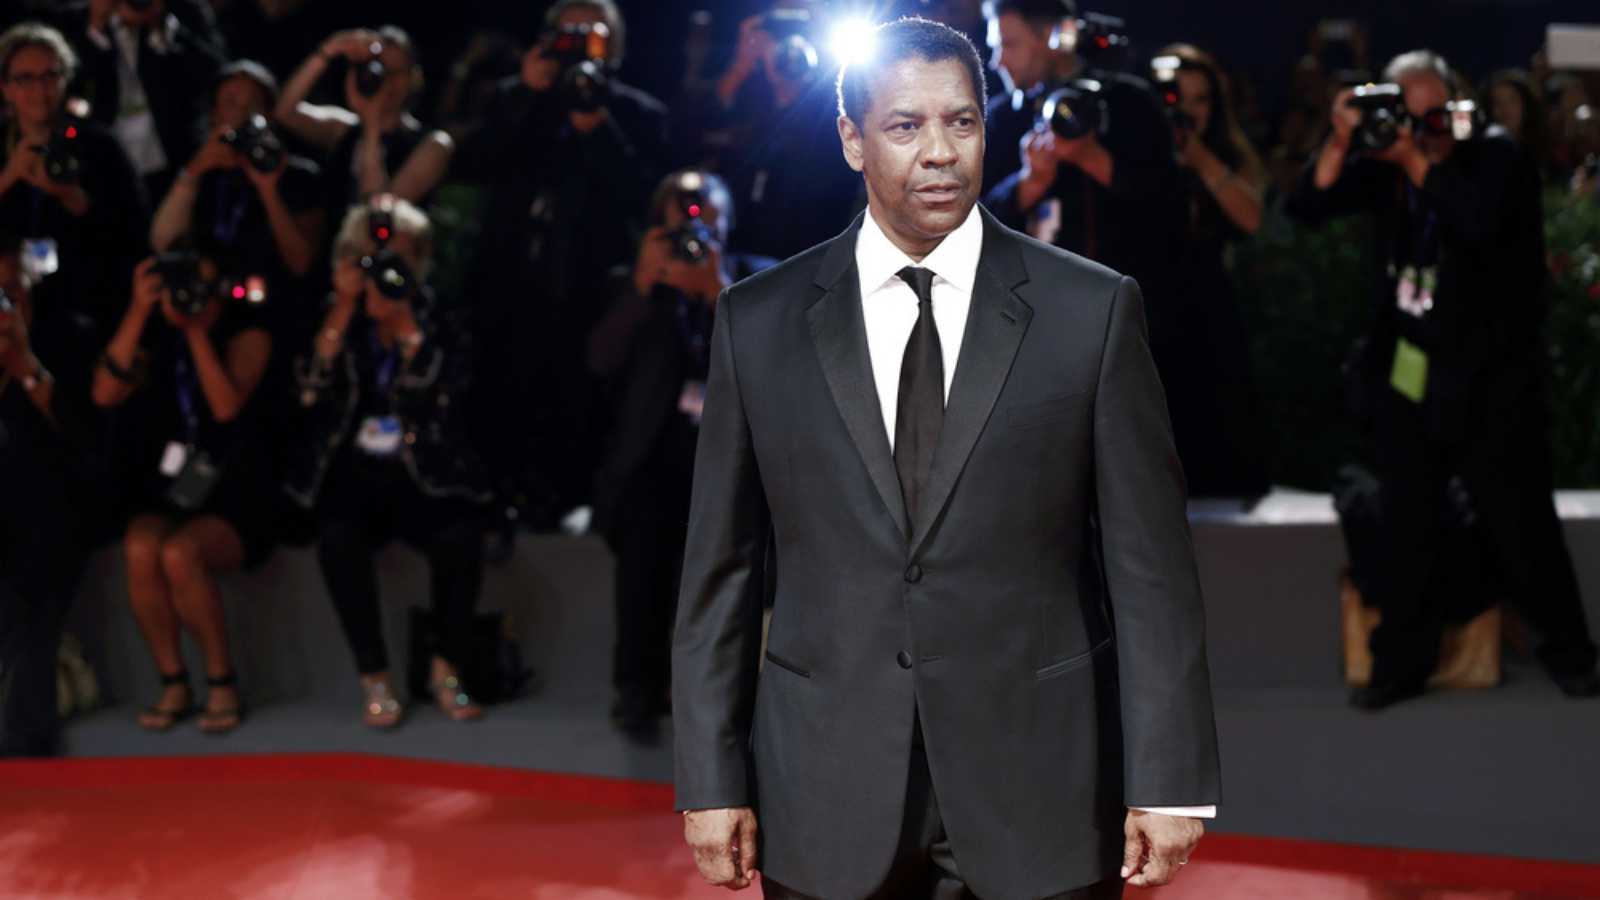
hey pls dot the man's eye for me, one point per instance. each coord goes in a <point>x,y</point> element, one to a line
<point>904,126</point>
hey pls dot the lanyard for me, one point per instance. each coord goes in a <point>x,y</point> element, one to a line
<point>1424,250</point>
<point>188,385</point>
<point>388,362</point>
<point>229,216</point>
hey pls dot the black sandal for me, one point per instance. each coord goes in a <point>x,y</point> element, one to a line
<point>158,719</point>
<point>222,721</point>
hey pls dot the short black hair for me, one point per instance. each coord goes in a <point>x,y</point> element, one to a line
<point>1034,12</point>
<point>900,40</point>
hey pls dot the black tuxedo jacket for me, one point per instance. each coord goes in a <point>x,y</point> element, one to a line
<point>1042,615</point>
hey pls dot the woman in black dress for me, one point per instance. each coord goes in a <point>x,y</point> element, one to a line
<point>191,352</point>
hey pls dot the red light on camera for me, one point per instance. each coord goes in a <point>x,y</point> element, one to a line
<point>694,210</point>
<point>72,132</point>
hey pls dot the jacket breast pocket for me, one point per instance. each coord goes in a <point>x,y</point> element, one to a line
<point>1055,409</point>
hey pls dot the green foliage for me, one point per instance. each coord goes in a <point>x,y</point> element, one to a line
<point>1305,297</point>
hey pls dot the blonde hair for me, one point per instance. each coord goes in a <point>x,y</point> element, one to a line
<point>37,34</point>
<point>355,237</point>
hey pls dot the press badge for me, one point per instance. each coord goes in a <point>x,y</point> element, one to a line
<point>692,402</point>
<point>1413,292</point>
<point>1409,377</point>
<point>40,257</point>
<point>173,459</point>
<point>379,436</point>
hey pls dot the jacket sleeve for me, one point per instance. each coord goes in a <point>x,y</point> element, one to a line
<point>1471,201</point>
<point>718,637</point>
<point>1152,583</point>
<point>1359,188</point>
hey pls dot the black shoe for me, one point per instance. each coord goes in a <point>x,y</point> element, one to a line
<point>1383,694</point>
<point>1579,686</point>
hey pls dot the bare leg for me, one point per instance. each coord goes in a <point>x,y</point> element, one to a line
<point>151,600</point>
<point>191,558</point>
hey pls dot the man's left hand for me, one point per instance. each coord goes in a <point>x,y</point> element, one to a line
<point>1157,846</point>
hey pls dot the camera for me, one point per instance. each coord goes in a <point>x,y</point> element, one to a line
<point>691,241</point>
<point>1165,70</point>
<point>371,74</point>
<point>1383,111</point>
<point>6,306</point>
<point>392,276</point>
<point>60,154</point>
<point>582,51</point>
<point>796,59</point>
<point>380,221</point>
<point>257,142</point>
<point>1103,41</point>
<point>192,291</point>
<point>1076,110</point>
<point>783,24</point>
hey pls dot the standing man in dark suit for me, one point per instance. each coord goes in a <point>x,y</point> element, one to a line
<point>986,669</point>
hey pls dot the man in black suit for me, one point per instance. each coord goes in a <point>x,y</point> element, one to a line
<point>986,669</point>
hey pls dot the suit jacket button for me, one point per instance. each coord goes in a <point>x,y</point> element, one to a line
<point>904,659</point>
<point>914,574</point>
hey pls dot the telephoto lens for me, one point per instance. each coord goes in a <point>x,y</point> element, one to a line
<point>1075,110</point>
<point>1383,111</point>
<point>60,153</point>
<point>371,74</point>
<point>257,142</point>
<point>180,272</point>
<point>393,278</point>
<point>796,59</point>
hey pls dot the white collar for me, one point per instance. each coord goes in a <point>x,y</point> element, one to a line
<point>955,260</point>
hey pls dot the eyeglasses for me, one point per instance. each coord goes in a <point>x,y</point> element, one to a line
<point>29,79</point>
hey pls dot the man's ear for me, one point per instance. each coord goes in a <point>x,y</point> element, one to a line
<point>850,139</point>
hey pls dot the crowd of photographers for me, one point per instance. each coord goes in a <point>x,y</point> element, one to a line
<point>220,331</point>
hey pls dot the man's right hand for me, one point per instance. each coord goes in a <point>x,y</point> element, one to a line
<point>1345,118</point>
<point>539,71</point>
<point>724,844</point>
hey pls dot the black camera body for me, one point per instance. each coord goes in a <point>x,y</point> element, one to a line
<point>1383,111</point>
<point>371,74</point>
<point>581,51</point>
<point>257,143</point>
<point>1076,110</point>
<point>60,152</point>
<point>1103,41</point>
<point>692,241</point>
<point>1165,70</point>
<point>391,274</point>
<point>192,291</point>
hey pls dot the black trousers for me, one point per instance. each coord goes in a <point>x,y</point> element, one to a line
<point>41,560</point>
<point>925,865</point>
<point>360,514</point>
<point>649,530</point>
<point>1503,484</point>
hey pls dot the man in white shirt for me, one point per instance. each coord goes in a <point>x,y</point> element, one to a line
<point>986,669</point>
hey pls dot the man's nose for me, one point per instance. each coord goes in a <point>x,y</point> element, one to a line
<point>940,150</point>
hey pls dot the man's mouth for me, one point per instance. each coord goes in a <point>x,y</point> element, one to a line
<point>943,192</point>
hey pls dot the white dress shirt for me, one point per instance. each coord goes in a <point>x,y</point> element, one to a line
<point>889,306</point>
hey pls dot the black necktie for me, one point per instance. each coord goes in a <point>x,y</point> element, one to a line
<point>920,411</point>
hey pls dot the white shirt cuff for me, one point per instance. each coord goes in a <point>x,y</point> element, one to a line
<point>1193,812</point>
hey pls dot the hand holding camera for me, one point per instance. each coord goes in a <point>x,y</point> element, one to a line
<point>16,356</point>
<point>354,44</point>
<point>684,259</point>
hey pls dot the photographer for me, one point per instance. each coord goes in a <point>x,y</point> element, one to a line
<point>568,157</point>
<point>204,487</point>
<point>651,349</point>
<point>383,454</point>
<point>47,473</point>
<point>374,144</point>
<point>1454,371</point>
<point>1209,388</point>
<point>144,75</point>
<point>1110,193</point>
<point>243,200</point>
<point>65,185</point>
<point>771,127</point>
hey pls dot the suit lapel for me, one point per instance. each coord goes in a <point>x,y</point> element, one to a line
<point>996,323</point>
<point>839,332</point>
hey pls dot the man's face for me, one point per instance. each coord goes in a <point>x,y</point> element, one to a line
<point>238,99</point>
<point>34,83</point>
<point>1426,91</point>
<point>1020,52</point>
<point>1506,108</point>
<point>920,149</point>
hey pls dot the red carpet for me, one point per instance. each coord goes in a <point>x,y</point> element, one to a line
<point>349,827</point>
